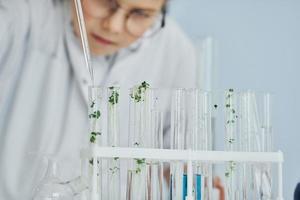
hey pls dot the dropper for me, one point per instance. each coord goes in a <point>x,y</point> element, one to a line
<point>84,41</point>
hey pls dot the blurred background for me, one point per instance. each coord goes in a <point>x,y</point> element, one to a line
<point>256,46</point>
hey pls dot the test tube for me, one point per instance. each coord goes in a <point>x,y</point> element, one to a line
<point>191,129</point>
<point>250,141</point>
<point>139,133</point>
<point>155,168</point>
<point>113,177</point>
<point>257,141</point>
<point>203,182</point>
<point>178,141</point>
<point>245,144</point>
<point>261,137</point>
<point>267,146</point>
<point>146,131</point>
<point>95,114</point>
<point>96,94</point>
<point>231,139</point>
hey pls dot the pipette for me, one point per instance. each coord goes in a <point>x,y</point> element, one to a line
<point>84,40</point>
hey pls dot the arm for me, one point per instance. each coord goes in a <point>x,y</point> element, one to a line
<point>5,27</point>
<point>14,20</point>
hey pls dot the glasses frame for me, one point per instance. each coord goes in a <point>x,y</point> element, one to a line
<point>162,15</point>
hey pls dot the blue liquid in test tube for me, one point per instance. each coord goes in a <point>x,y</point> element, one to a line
<point>184,185</point>
<point>198,186</point>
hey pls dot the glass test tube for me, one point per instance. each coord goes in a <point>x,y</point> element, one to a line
<point>95,138</point>
<point>231,119</point>
<point>203,136</point>
<point>261,136</point>
<point>155,168</point>
<point>257,141</point>
<point>139,133</point>
<point>199,137</point>
<point>178,141</point>
<point>247,133</point>
<point>267,146</point>
<point>254,107</point>
<point>113,129</point>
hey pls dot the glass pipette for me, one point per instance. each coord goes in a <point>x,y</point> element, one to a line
<point>84,40</point>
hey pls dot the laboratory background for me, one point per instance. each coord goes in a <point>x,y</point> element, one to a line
<point>255,45</point>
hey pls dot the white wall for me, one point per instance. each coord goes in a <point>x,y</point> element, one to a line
<point>257,47</point>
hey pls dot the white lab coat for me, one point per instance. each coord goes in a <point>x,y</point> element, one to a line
<point>43,82</point>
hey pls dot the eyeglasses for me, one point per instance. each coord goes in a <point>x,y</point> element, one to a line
<point>137,21</point>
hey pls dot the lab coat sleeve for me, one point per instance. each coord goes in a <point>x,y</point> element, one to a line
<point>5,27</point>
<point>14,22</point>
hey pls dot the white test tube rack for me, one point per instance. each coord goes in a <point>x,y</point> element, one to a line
<point>187,156</point>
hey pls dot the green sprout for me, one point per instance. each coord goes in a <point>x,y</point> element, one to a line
<point>229,106</point>
<point>231,140</point>
<point>91,161</point>
<point>94,136</point>
<point>232,119</point>
<point>95,114</point>
<point>140,163</point>
<point>232,166</point>
<point>92,139</point>
<point>139,93</point>
<point>230,93</point>
<point>93,104</point>
<point>227,174</point>
<point>114,97</point>
<point>114,169</point>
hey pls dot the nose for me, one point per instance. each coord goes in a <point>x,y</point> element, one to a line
<point>115,23</point>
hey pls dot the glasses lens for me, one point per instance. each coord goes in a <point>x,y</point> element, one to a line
<point>138,25</point>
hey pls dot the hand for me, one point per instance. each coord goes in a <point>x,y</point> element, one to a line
<point>217,183</point>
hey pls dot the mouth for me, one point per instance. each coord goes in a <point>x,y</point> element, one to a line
<point>102,40</point>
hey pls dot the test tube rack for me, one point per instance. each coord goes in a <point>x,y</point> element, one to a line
<point>187,156</point>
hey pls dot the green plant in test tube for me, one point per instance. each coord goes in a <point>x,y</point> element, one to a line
<point>95,98</point>
<point>231,118</point>
<point>139,129</point>
<point>95,138</point>
<point>113,141</point>
<point>139,96</point>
